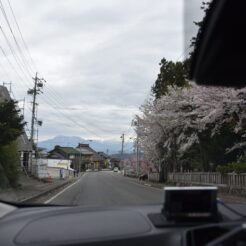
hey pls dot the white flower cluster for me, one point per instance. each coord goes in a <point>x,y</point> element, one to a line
<point>177,124</point>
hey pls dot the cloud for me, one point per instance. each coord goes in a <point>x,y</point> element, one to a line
<point>98,57</point>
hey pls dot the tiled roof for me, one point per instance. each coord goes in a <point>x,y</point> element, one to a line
<point>103,155</point>
<point>85,149</point>
<point>67,150</point>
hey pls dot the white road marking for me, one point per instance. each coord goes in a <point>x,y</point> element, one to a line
<point>59,193</point>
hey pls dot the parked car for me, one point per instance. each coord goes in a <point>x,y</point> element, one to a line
<point>130,173</point>
<point>116,169</point>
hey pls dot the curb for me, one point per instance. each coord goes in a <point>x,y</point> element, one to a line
<point>144,183</point>
<point>157,186</point>
<point>30,199</point>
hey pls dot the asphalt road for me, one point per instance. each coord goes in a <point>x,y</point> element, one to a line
<point>107,188</point>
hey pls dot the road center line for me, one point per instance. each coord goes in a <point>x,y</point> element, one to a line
<point>59,193</point>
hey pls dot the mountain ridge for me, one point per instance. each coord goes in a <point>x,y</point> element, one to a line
<point>107,146</point>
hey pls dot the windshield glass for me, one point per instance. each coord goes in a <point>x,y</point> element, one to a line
<point>96,108</point>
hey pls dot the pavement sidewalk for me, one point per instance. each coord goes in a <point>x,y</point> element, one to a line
<point>32,188</point>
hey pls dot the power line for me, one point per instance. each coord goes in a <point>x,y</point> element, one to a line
<point>184,55</point>
<point>23,65</point>
<point>13,53</point>
<point>12,66</point>
<point>4,71</point>
<point>62,105</point>
<point>60,113</point>
<point>24,42</point>
<point>15,40</point>
<point>21,53</point>
<point>59,98</point>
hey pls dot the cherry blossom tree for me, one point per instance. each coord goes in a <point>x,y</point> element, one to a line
<point>193,128</point>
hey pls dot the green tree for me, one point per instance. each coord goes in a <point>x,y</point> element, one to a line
<point>206,6</point>
<point>195,40</point>
<point>9,165</point>
<point>11,123</point>
<point>171,74</point>
<point>175,73</point>
<point>11,127</point>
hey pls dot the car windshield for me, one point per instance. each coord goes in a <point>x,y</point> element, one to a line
<point>96,108</point>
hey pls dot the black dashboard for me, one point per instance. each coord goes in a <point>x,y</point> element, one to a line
<point>134,225</point>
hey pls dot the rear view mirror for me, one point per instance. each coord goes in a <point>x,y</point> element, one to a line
<point>219,57</point>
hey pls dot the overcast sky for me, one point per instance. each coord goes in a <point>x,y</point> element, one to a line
<point>99,58</point>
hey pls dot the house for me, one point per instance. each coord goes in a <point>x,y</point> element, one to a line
<point>103,155</point>
<point>90,159</point>
<point>66,153</point>
<point>42,152</point>
<point>23,144</point>
<point>115,162</point>
<point>105,160</point>
<point>96,161</point>
<point>86,153</point>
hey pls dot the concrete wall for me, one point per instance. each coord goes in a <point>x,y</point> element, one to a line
<point>55,163</point>
<point>39,171</point>
<point>55,172</point>
<point>48,168</point>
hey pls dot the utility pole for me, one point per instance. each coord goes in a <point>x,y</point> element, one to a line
<point>80,158</point>
<point>37,89</point>
<point>138,166</point>
<point>34,93</point>
<point>135,123</point>
<point>122,144</point>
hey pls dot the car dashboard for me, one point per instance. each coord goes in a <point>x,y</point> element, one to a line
<point>133,225</point>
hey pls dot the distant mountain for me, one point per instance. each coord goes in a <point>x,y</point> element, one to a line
<point>113,147</point>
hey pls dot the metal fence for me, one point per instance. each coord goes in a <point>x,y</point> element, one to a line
<point>202,178</point>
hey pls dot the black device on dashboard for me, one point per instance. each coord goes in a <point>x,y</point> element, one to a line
<point>190,203</point>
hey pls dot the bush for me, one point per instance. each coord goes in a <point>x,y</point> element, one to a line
<point>237,167</point>
<point>9,166</point>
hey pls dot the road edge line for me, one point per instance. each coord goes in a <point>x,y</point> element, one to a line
<point>146,186</point>
<point>59,193</point>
